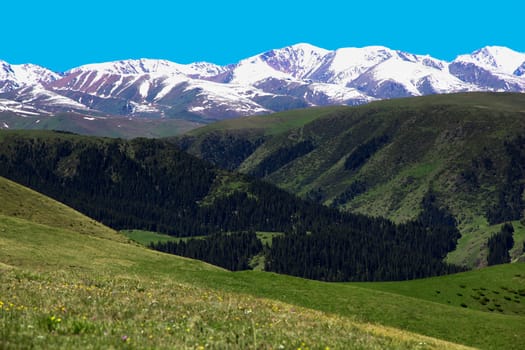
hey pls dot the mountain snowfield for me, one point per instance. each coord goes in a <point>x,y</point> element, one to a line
<point>296,76</point>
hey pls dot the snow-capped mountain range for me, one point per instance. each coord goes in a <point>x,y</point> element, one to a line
<point>296,76</point>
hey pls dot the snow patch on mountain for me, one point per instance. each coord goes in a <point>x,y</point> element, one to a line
<point>409,74</point>
<point>33,94</point>
<point>337,94</point>
<point>168,84</point>
<point>495,58</point>
<point>255,69</point>
<point>234,98</point>
<point>19,108</point>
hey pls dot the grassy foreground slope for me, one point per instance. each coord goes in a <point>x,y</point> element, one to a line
<point>62,288</point>
<point>19,201</point>
<point>66,289</point>
<point>97,294</point>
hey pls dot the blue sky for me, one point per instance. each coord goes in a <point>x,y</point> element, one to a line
<point>61,35</point>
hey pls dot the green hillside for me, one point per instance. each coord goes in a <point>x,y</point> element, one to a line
<point>381,159</point>
<point>152,185</point>
<point>273,124</point>
<point>498,289</point>
<point>62,288</point>
<point>124,127</point>
<point>21,202</point>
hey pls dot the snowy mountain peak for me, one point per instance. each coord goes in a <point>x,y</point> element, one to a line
<point>304,52</point>
<point>32,74</point>
<point>344,65</point>
<point>13,76</point>
<point>295,61</point>
<point>499,58</point>
<point>151,66</point>
<point>307,47</point>
<point>129,67</point>
<point>204,69</point>
<point>359,55</point>
<point>294,76</point>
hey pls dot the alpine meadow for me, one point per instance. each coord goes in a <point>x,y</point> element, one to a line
<point>301,198</point>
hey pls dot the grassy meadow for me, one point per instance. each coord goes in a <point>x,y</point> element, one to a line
<point>62,289</point>
<point>146,237</point>
<point>71,282</point>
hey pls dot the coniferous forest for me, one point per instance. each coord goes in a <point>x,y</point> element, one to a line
<point>231,251</point>
<point>387,252</point>
<point>510,204</point>
<point>152,185</point>
<point>499,245</point>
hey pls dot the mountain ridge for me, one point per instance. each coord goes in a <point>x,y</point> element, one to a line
<point>296,76</point>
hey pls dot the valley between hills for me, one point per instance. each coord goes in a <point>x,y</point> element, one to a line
<point>72,282</point>
<point>364,227</point>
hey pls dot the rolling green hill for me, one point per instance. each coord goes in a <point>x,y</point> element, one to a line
<point>152,185</point>
<point>382,158</point>
<point>124,127</point>
<point>62,288</point>
<point>19,201</point>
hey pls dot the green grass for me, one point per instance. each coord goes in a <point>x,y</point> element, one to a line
<point>284,121</point>
<point>226,184</point>
<point>64,289</point>
<point>146,237</point>
<point>454,323</point>
<point>517,252</point>
<point>109,127</point>
<point>109,293</point>
<point>118,313</point>
<point>20,201</point>
<point>401,201</point>
<point>496,289</point>
<point>272,124</point>
<point>58,255</point>
<point>267,237</point>
<point>475,235</point>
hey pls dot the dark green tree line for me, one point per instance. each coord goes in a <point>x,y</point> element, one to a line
<point>365,151</point>
<point>231,251</point>
<point>510,204</point>
<point>152,185</point>
<point>499,245</point>
<point>281,157</point>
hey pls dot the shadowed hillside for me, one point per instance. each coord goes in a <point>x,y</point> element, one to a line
<point>381,159</point>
